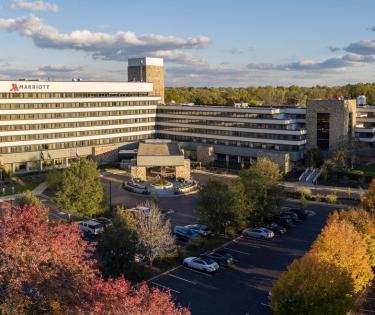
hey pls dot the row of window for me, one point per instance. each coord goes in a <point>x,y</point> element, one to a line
<point>244,144</point>
<point>232,133</point>
<point>76,124</point>
<point>69,95</point>
<point>72,144</point>
<point>72,134</point>
<point>75,105</point>
<point>230,123</point>
<point>8,117</point>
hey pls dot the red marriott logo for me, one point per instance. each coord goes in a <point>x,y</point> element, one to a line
<point>14,88</point>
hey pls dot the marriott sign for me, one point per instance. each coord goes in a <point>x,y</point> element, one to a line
<point>16,87</point>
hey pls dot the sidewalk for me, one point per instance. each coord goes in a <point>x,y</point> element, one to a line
<point>38,190</point>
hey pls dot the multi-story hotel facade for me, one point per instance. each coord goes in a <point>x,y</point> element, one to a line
<point>47,124</point>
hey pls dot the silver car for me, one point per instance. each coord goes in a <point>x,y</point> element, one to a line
<point>201,263</point>
<point>259,232</point>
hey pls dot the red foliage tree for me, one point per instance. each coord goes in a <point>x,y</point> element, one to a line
<point>46,268</point>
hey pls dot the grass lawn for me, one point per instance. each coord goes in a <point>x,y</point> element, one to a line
<point>367,170</point>
<point>21,184</point>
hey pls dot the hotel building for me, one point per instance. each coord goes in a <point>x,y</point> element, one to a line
<point>47,124</point>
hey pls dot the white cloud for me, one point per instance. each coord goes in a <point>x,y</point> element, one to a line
<point>38,5</point>
<point>118,46</point>
<point>60,68</point>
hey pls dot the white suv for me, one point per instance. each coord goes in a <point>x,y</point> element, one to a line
<point>91,227</point>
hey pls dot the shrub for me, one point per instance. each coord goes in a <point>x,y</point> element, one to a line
<point>305,192</point>
<point>319,197</point>
<point>331,198</point>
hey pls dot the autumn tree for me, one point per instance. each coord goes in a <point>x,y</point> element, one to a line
<point>218,208</point>
<point>310,286</point>
<point>341,245</point>
<point>28,198</point>
<point>118,245</point>
<point>46,268</point>
<point>368,199</point>
<point>81,192</point>
<point>364,224</point>
<point>154,232</point>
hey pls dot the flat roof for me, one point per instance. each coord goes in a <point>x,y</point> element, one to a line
<point>159,149</point>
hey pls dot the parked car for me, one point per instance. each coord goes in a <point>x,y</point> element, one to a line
<point>291,215</point>
<point>184,233</point>
<point>220,256</point>
<point>104,221</point>
<point>285,221</point>
<point>91,227</point>
<point>202,264</point>
<point>199,228</point>
<point>300,212</point>
<point>259,232</point>
<point>278,229</point>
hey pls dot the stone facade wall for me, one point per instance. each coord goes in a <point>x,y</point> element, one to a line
<point>183,171</point>
<point>138,172</point>
<point>105,154</point>
<point>281,159</point>
<point>153,74</point>
<point>205,154</point>
<point>338,120</point>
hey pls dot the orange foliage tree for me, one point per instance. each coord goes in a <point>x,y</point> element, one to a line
<point>46,268</point>
<point>341,245</point>
<point>310,286</point>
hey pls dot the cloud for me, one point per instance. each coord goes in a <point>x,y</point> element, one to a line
<point>363,47</point>
<point>104,46</point>
<point>38,5</point>
<point>333,49</point>
<point>60,68</point>
<point>337,63</point>
<point>237,51</point>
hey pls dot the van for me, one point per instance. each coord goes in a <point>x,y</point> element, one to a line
<point>91,227</point>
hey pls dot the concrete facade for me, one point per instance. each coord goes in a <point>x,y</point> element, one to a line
<point>341,129</point>
<point>205,154</point>
<point>281,159</point>
<point>138,172</point>
<point>183,171</point>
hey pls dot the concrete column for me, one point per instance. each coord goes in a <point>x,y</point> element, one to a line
<point>13,167</point>
<point>66,162</point>
<point>27,167</point>
<point>227,160</point>
<point>40,165</point>
<point>239,159</point>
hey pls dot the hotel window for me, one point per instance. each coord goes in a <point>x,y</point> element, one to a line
<point>322,131</point>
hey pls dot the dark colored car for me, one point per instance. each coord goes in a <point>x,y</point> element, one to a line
<point>292,215</point>
<point>301,213</point>
<point>104,221</point>
<point>276,228</point>
<point>220,256</point>
<point>285,221</point>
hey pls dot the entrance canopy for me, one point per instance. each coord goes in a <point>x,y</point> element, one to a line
<point>152,154</point>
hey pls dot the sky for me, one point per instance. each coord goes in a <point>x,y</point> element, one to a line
<point>203,43</point>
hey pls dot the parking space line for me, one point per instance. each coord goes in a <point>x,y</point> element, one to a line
<point>236,251</point>
<point>164,287</point>
<point>367,311</point>
<point>199,272</point>
<point>177,277</point>
<point>264,304</point>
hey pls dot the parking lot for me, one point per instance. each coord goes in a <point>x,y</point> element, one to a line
<point>242,288</point>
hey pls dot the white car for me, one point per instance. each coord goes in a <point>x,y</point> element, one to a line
<point>259,232</point>
<point>91,227</point>
<point>201,264</point>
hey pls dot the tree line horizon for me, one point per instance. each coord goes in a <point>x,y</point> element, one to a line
<point>267,95</point>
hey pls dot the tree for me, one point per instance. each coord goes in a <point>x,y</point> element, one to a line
<point>46,268</point>
<point>217,209</point>
<point>81,192</point>
<point>154,233</point>
<point>341,245</point>
<point>260,183</point>
<point>118,245</point>
<point>303,202</point>
<point>312,287</point>
<point>54,179</point>
<point>364,225</point>
<point>28,198</point>
<point>368,199</point>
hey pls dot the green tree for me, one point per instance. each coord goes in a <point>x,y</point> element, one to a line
<point>81,192</point>
<point>217,208</point>
<point>28,198</point>
<point>312,287</point>
<point>261,188</point>
<point>118,245</point>
<point>54,180</point>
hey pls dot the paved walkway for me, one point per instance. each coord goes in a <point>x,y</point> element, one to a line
<point>38,190</point>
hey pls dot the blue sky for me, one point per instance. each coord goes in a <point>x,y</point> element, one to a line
<point>204,43</point>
